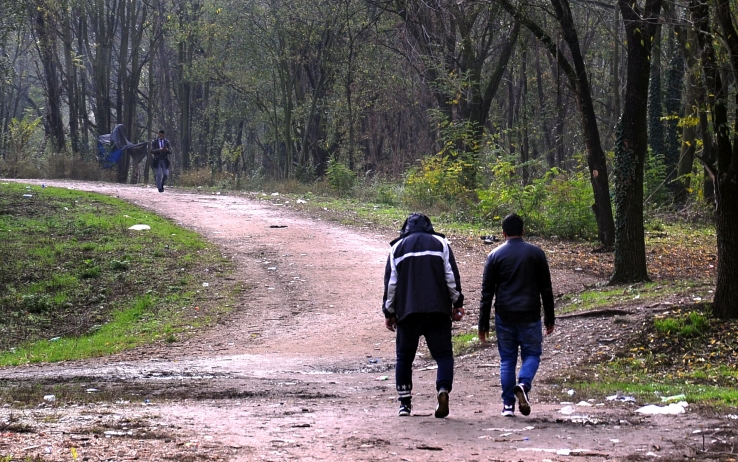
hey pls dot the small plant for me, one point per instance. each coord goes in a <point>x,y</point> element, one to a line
<point>340,177</point>
<point>693,324</point>
<point>36,303</point>
<point>118,265</point>
<point>90,273</point>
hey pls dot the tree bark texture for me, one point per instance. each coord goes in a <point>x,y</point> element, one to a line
<point>46,35</point>
<point>724,172</point>
<point>632,144</point>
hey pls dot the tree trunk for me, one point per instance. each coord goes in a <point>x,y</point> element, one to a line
<point>726,226</point>
<point>579,81</point>
<point>72,91</point>
<point>46,43</point>
<point>724,172</point>
<point>655,103</point>
<point>632,145</point>
<point>673,107</point>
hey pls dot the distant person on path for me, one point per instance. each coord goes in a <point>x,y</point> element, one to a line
<point>517,276</point>
<point>422,294</point>
<point>160,149</point>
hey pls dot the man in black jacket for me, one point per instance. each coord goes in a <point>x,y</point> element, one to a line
<point>422,294</point>
<point>517,276</point>
<point>160,149</point>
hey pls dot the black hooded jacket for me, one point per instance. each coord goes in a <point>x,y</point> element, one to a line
<point>421,274</point>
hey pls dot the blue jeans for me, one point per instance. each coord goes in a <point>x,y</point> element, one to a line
<point>436,328</point>
<point>527,337</point>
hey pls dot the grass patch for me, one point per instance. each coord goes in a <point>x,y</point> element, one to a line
<point>682,351</point>
<point>75,282</point>
<point>656,393</point>
<point>639,294</point>
<point>464,343</point>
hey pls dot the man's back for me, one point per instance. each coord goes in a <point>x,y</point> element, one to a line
<point>421,274</point>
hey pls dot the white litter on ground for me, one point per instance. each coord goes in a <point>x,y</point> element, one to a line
<point>140,227</point>
<point>671,409</point>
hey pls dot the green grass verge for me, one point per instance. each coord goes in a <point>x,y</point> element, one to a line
<point>648,392</point>
<point>682,351</point>
<point>76,282</point>
<point>642,294</point>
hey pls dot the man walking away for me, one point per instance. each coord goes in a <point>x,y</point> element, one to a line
<point>517,276</point>
<point>422,294</point>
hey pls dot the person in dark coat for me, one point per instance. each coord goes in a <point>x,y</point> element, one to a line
<point>422,295</point>
<point>160,149</point>
<point>517,276</point>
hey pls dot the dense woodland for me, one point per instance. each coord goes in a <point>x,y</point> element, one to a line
<point>637,101</point>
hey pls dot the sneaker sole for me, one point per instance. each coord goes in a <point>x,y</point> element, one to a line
<point>523,403</point>
<point>442,408</point>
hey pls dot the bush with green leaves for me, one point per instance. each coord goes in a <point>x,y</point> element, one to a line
<point>559,203</point>
<point>438,183</point>
<point>341,178</point>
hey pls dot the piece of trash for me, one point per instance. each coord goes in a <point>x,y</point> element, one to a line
<point>300,201</point>
<point>110,433</point>
<point>570,392</point>
<point>54,339</point>
<point>275,194</point>
<point>614,440</point>
<point>428,448</point>
<point>43,185</point>
<point>49,398</point>
<point>583,403</point>
<point>489,239</point>
<point>567,410</point>
<point>27,195</point>
<point>92,390</point>
<point>140,227</point>
<point>205,284</point>
<point>732,416</point>
<point>668,399</point>
<point>383,377</point>
<point>619,396</point>
<point>374,361</point>
<point>278,226</point>
<point>671,409</point>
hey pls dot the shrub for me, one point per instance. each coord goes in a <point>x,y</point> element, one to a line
<point>437,183</point>
<point>559,203</point>
<point>341,178</point>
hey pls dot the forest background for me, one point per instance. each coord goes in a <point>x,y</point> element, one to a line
<point>584,117</point>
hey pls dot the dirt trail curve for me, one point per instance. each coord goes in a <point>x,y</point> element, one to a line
<point>299,370</point>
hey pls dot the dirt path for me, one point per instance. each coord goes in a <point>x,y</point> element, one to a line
<point>303,367</point>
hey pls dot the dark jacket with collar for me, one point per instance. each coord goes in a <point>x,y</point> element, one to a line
<point>421,275</point>
<point>517,276</point>
<point>160,153</point>
<point>155,148</point>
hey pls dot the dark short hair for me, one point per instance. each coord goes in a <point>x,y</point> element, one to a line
<point>512,225</point>
<point>161,132</point>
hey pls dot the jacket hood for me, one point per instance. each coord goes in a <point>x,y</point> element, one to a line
<point>416,223</point>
